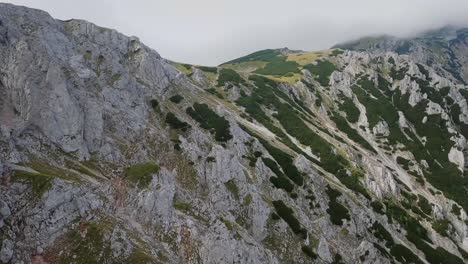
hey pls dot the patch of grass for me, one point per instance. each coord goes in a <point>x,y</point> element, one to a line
<point>279,68</point>
<point>181,206</point>
<point>176,98</point>
<point>232,188</point>
<point>115,78</point>
<point>336,210</point>
<point>322,71</point>
<point>208,119</point>
<point>141,174</point>
<point>287,214</point>
<point>40,183</point>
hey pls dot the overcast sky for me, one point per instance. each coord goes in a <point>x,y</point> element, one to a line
<point>210,32</point>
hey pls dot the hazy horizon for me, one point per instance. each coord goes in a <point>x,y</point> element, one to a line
<point>210,32</point>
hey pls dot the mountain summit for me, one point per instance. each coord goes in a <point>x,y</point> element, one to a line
<point>110,153</point>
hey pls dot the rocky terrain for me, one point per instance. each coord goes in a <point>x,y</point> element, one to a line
<point>110,153</point>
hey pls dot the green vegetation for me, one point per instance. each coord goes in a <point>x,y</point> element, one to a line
<point>208,69</point>
<point>352,134</point>
<point>181,206</point>
<point>382,234</point>
<point>267,55</point>
<point>40,183</point>
<point>287,214</point>
<point>228,75</point>
<point>378,207</point>
<point>309,252</point>
<point>208,119</point>
<point>281,181</point>
<point>175,122</point>
<point>442,174</point>
<point>336,210</point>
<point>418,235</point>
<point>176,98</point>
<point>232,188</point>
<point>403,162</point>
<point>322,71</point>
<point>404,255</point>
<point>141,174</point>
<point>352,112</point>
<point>269,96</point>
<point>155,105</point>
<point>424,204</point>
<point>442,227</point>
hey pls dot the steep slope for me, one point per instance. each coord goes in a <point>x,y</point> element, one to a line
<point>112,154</point>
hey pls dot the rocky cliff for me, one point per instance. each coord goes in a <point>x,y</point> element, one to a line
<point>111,154</point>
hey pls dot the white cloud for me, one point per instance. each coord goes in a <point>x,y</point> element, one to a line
<point>213,31</point>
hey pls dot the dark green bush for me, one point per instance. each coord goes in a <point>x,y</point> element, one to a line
<point>208,119</point>
<point>352,112</point>
<point>322,71</point>
<point>208,69</point>
<point>382,234</point>
<point>176,98</point>
<point>175,122</point>
<point>309,252</point>
<point>287,214</point>
<point>228,75</point>
<point>336,210</point>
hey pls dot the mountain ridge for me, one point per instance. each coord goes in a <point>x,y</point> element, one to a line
<point>110,153</point>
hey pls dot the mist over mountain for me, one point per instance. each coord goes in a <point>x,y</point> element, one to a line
<point>110,153</point>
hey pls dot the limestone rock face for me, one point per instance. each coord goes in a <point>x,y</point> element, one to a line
<point>110,153</point>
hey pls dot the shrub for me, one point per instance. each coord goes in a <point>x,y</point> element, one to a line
<point>378,207</point>
<point>309,252</point>
<point>287,214</point>
<point>176,98</point>
<point>352,112</point>
<point>154,104</point>
<point>208,69</point>
<point>442,227</point>
<point>208,119</point>
<point>336,211</point>
<point>175,123</point>
<point>229,75</point>
<point>382,234</point>
<point>404,255</point>
<point>322,71</point>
